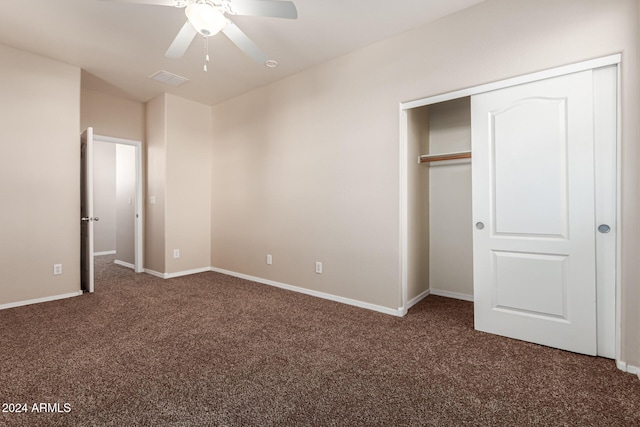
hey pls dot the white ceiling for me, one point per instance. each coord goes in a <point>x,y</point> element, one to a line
<point>122,44</point>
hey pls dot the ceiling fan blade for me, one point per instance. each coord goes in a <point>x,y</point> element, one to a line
<point>175,3</point>
<point>243,42</point>
<point>271,8</point>
<point>182,41</point>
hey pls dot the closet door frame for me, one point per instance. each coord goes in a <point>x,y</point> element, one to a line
<point>405,161</point>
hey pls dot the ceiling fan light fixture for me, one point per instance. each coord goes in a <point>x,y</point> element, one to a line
<point>206,20</point>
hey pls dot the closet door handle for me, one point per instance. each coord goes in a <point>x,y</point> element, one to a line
<point>479,225</point>
<point>604,228</point>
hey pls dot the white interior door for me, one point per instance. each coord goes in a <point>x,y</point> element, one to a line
<point>86,211</point>
<point>533,210</point>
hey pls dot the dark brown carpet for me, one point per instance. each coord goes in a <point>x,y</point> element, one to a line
<point>213,350</point>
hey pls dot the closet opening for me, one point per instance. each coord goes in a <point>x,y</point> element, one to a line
<point>439,139</point>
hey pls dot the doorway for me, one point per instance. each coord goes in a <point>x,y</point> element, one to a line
<point>415,277</point>
<point>111,189</point>
<point>114,195</point>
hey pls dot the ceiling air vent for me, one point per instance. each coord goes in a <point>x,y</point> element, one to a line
<point>168,78</point>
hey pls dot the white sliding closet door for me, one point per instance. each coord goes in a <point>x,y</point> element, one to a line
<point>533,209</point>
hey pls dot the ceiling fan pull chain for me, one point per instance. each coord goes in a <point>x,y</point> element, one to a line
<point>206,52</point>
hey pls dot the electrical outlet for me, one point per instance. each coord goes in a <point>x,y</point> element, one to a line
<point>318,267</point>
<point>57,269</point>
<point>269,259</point>
<point>176,253</point>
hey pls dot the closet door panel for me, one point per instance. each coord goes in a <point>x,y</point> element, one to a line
<point>531,283</point>
<point>521,148</point>
<point>533,192</point>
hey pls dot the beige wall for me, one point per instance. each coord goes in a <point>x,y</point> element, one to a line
<point>307,168</point>
<point>179,166</point>
<point>39,177</point>
<point>188,185</point>
<point>125,186</point>
<point>110,115</point>
<point>418,262</point>
<point>632,247</point>
<point>104,196</point>
<point>113,199</point>
<point>154,242</point>
<point>451,238</point>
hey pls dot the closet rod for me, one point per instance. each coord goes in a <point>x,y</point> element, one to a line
<point>426,158</point>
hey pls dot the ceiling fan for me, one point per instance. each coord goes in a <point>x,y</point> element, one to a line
<point>207,17</point>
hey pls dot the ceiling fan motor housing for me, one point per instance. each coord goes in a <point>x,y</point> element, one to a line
<point>207,19</point>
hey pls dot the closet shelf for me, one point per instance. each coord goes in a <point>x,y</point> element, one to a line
<point>426,158</point>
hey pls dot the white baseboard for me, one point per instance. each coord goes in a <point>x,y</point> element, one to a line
<point>455,295</point>
<point>187,272</point>
<point>177,274</point>
<point>124,264</point>
<point>154,273</point>
<point>420,297</point>
<point>413,301</point>
<point>623,366</point>
<point>323,295</point>
<point>39,300</point>
<point>104,253</point>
